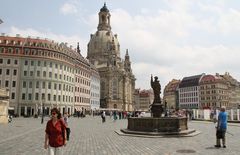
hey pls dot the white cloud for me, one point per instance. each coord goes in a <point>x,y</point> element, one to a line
<point>185,61</point>
<point>179,5</point>
<point>71,40</point>
<point>156,42</point>
<point>183,39</point>
<point>229,23</point>
<point>145,11</point>
<point>211,8</point>
<point>92,22</point>
<point>68,8</point>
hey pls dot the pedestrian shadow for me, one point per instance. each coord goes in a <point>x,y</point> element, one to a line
<point>211,148</point>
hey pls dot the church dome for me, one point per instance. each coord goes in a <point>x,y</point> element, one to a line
<point>102,42</point>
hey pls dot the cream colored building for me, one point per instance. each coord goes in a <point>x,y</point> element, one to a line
<point>95,89</point>
<point>170,93</point>
<point>41,74</point>
<point>234,90</point>
<point>143,99</point>
<point>117,82</point>
<point>214,92</point>
<point>4,104</point>
<point>136,104</point>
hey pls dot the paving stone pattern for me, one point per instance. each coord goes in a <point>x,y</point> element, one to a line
<point>89,136</point>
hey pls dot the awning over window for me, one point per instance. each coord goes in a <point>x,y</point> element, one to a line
<point>10,108</point>
<point>78,108</point>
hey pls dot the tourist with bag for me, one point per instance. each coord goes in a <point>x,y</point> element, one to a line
<point>65,118</point>
<point>55,137</point>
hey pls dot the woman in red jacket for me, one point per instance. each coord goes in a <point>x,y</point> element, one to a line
<point>55,137</point>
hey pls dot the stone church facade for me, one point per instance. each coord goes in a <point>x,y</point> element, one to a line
<point>117,82</point>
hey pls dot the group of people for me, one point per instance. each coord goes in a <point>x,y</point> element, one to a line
<point>56,133</point>
<point>115,115</point>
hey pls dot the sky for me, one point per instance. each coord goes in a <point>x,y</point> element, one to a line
<point>171,39</point>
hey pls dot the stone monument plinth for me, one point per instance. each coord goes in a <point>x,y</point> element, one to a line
<point>157,110</point>
<point>163,124</point>
<point>157,125</point>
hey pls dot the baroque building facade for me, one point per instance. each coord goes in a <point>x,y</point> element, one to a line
<point>234,90</point>
<point>189,92</point>
<point>204,92</point>
<point>136,104</point>
<point>95,89</point>
<point>117,82</point>
<point>214,92</point>
<point>143,99</point>
<point>171,94</point>
<point>41,74</point>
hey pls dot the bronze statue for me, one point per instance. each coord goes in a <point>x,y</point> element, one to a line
<point>156,107</point>
<point>156,89</point>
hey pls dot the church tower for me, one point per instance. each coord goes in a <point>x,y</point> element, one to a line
<point>116,77</point>
<point>127,63</point>
<point>104,19</point>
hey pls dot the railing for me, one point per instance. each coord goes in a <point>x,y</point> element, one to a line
<point>207,114</point>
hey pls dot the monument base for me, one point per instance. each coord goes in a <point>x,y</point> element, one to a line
<point>157,109</point>
<point>164,126</point>
<point>185,133</point>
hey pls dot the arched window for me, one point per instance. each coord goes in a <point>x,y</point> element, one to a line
<point>103,19</point>
<point>102,89</point>
<point>114,89</point>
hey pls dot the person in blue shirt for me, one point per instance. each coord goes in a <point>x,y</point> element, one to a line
<point>221,127</point>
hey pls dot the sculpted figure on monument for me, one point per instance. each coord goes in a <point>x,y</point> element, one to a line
<point>156,89</point>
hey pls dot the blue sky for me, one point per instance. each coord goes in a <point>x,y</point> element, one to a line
<point>166,38</point>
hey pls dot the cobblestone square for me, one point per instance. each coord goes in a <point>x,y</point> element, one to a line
<point>89,136</point>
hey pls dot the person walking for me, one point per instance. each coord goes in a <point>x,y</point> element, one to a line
<point>114,116</point>
<point>103,116</point>
<point>55,134</point>
<point>65,118</point>
<point>221,128</point>
<point>111,113</point>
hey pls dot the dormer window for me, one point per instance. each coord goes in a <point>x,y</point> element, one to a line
<point>103,19</point>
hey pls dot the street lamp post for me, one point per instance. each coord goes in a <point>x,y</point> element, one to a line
<point>165,105</point>
<point>219,102</point>
<point>43,112</point>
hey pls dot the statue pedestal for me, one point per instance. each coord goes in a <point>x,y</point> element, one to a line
<point>164,124</point>
<point>158,127</point>
<point>157,110</point>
